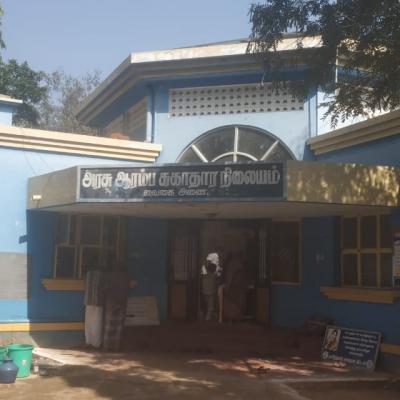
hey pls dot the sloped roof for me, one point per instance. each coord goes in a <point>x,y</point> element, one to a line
<point>226,54</point>
<point>375,128</point>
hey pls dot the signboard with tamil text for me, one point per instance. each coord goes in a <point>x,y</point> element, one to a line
<point>183,182</point>
<point>350,346</point>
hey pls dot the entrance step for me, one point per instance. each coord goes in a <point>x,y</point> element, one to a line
<point>233,339</point>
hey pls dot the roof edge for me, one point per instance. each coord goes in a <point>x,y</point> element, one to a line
<point>104,84</point>
<point>72,143</point>
<point>147,59</point>
<point>361,132</point>
<point>9,100</point>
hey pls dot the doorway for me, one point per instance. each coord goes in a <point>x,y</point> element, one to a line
<point>243,249</point>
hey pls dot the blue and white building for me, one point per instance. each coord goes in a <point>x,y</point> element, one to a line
<point>196,153</point>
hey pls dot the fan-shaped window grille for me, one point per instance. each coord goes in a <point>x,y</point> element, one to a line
<point>235,143</point>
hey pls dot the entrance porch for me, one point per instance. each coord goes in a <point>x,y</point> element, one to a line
<point>320,198</point>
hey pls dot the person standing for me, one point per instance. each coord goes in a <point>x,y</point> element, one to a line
<point>235,288</point>
<point>94,305</point>
<point>209,290</point>
<point>209,284</point>
<point>116,288</point>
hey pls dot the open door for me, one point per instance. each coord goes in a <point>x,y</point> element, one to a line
<point>183,272</point>
<point>263,276</point>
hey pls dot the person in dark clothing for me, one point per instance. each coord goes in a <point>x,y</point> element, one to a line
<point>116,288</point>
<point>209,289</point>
<point>211,274</point>
<point>235,288</point>
<point>94,308</point>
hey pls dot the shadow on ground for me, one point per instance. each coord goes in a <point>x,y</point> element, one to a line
<point>147,376</point>
<point>197,361</point>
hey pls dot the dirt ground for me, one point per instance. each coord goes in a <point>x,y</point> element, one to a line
<point>201,361</point>
<point>78,375</point>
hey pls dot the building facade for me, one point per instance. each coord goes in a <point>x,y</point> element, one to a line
<point>199,153</point>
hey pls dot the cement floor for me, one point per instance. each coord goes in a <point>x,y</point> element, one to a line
<point>78,375</point>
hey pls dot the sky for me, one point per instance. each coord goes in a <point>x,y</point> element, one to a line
<point>81,36</point>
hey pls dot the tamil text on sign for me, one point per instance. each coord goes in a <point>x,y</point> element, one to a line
<point>183,182</point>
<point>352,347</point>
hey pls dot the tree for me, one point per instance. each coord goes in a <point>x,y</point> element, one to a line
<point>358,63</point>
<point>2,44</point>
<point>65,93</point>
<point>49,100</point>
<point>21,82</point>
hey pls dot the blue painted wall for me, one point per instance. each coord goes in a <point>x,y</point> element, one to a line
<point>47,305</point>
<point>13,310</point>
<point>176,133</point>
<point>19,228</point>
<point>292,305</point>
<point>6,114</point>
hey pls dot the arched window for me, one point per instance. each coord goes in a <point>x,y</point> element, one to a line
<point>236,143</point>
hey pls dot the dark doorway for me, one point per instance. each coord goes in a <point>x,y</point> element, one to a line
<point>243,247</point>
<point>184,269</point>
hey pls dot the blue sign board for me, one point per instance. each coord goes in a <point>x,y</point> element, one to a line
<point>350,346</point>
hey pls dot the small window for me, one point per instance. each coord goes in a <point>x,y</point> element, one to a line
<point>65,262</point>
<point>84,243</point>
<point>369,273</point>
<point>350,274</point>
<point>385,231</point>
<point>386,270</point>
<point>90,259</point>
<point>349,233</point>
<point>367,251</point>
<point>368,232</point>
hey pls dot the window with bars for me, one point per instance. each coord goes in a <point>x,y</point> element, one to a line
<point>84,243</point>
<point>367,251</point>
<point>231,99</point>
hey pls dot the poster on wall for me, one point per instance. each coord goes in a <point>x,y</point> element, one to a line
<point>396,260</point>
<point>353,347</point>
